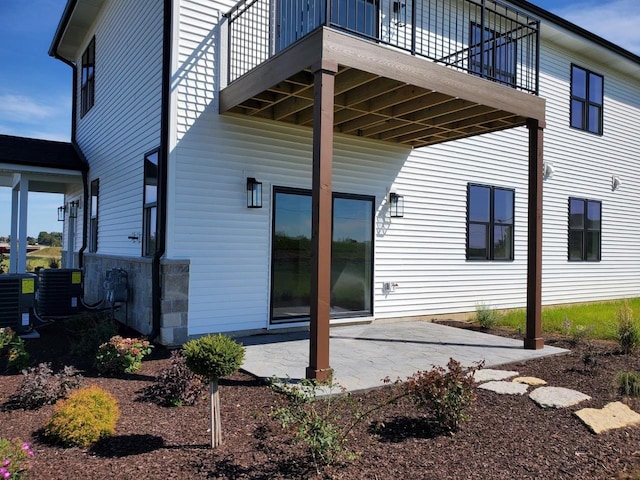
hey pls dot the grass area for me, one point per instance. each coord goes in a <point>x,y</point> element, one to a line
<point>598,319</point>
<point>47,252</point>
<point>40,258</point>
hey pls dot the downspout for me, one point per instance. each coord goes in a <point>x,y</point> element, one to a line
<point>85,171</point>
<point>163,158</point>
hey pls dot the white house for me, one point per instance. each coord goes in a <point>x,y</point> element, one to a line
<point>282,163</point>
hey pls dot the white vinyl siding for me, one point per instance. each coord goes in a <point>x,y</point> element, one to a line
<point>584,165</point>
<point>124,122</point>
<point>424,252</point>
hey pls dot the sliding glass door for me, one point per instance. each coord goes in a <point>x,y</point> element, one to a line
<point>352,255</point>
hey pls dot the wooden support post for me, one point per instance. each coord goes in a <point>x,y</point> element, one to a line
<point>321,215</point>
<point>533,339</point>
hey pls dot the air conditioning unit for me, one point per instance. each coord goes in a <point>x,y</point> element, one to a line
<point>17,299</point>
<point>59,292</point>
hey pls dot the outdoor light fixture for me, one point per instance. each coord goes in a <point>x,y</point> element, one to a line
<point>396,205</point>
<point>73,209</point>
<point>397,13</point>
<point>615,182</point>
<point>548,170</point>
<point>254,193</point>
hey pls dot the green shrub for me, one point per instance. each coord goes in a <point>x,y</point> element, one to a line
<point>576,333</point>
<point>445,394</point>
<point>40,386</point>
<point>320,423</point>
<point>628,384</point>
<point>6,336</point>
<point>18,357</point>
<point>88,331</point>
<point>176,385</point>
<point>84,418</point>
<point>486,316</point>
<point>122,355</point>
<point>628,329</point>
<point>213,356</point>
<point>14,459</point>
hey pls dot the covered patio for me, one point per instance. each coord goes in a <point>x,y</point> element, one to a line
<point>33,165</point>
<point>362,355</point>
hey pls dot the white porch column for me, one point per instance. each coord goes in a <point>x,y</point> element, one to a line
<point>22,230</point>
<point>19,204</point>
<point>13,243</point>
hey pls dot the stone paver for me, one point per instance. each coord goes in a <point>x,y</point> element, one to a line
<point>613,415</point>
<point>488,374</point>
<point>533,381</point>
<point>505,388</point>
<point>557,397</point>
<point>362,355</point>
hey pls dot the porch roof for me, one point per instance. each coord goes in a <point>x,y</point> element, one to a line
<point>49,165</point>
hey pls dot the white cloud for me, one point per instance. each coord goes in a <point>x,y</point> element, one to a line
<point>614,20</point>
<point>23,109</point>
<point>26,116</point>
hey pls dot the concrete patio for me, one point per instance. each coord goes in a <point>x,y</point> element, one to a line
<point>362,355</point>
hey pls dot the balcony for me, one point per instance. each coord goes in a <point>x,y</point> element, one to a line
<point>415,72</point>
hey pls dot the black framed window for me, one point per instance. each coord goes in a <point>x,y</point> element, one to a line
<point>587,100</point>
<point>492,55</point>
<point>585,230</point>
<point>490,222</point>
<point>87,85</point>
<point>93,216</point>
<point>351,255</point>
<point>150,209</point>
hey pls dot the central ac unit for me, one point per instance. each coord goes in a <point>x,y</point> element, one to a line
<point>17,298</point>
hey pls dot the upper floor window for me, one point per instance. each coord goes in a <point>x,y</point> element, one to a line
<point>490,222</point>
<point>87,85</point>
<point>150,210</point>
<point>492,55</point>
<point>587,90</point>
<point>93,216</point>
<point>585,229</point>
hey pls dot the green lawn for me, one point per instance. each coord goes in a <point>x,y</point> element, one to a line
<point>599,319</point>
<point>41,258</point>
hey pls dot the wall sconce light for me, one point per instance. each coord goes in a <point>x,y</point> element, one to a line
<point>398,7</point>
<point>73,209</point>
<point>396,205</point>
<point>615,182</point>
<point>548,170</point>
<point>254,193</point>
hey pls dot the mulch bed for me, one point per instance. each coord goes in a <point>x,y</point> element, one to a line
<point>508,437</point>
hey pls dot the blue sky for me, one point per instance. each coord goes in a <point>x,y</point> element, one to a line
<point>35,89</point>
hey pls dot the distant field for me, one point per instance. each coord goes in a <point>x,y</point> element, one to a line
<point>47,252</point>
<point>40,258</point>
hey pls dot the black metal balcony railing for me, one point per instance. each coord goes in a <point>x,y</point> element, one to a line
<point>480,37</point>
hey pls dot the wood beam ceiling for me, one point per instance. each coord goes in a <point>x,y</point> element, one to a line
<point>379,107</point>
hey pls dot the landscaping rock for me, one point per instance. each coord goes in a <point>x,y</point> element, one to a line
<point>505,388</point>
<point>557,397</point>
<point>488,374</point>
<point>613,415</point>
<point>533,381</point>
